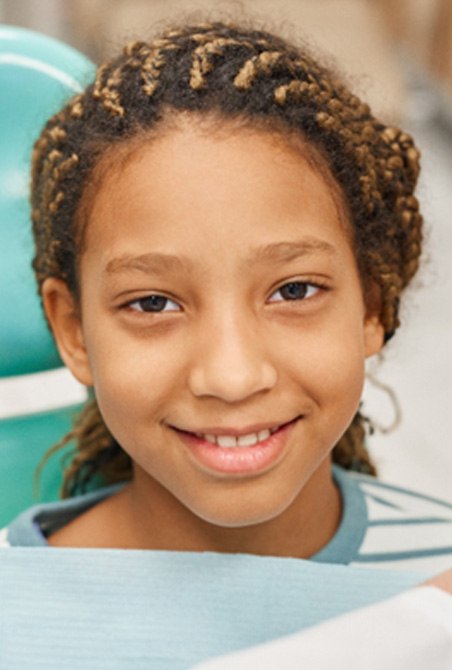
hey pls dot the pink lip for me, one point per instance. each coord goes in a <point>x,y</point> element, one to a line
<point>238,460</point>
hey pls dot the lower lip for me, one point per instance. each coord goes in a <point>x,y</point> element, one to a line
<point>239,460</point>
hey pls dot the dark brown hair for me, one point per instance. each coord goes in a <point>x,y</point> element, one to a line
<point>230,73</point>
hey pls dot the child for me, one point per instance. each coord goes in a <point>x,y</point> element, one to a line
<point>223,234</point>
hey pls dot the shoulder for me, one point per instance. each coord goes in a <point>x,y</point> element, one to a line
<point>404,529</point>
<point>389,527</point>
<point>32,527</point>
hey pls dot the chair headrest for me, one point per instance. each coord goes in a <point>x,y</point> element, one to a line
<point>37,75</point>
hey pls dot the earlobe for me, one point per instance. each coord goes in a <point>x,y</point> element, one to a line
<point>374,332</point>
<point>64,319</point>
<point>373,335</point>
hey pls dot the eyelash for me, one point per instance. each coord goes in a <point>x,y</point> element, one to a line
<point>306,285</point>
<point>161,301</point>
<point>152,297</point>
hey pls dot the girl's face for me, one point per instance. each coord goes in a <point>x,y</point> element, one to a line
<point>222,320</point>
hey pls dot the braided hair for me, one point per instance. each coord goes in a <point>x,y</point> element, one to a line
<point>232,73</point>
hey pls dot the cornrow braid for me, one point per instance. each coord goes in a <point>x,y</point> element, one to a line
<point>263,63</point>
<point>255,78</point>
<point>202,58</point>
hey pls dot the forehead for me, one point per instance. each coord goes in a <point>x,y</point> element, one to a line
<point>220,184</point>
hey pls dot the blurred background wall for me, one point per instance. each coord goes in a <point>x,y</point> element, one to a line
<point>398,55</point>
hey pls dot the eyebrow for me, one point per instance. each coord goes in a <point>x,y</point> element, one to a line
<point>284,252</point>
<point>150,263</point>
<point>279,252</point>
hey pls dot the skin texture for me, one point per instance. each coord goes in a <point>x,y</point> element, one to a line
<point>228,351</point>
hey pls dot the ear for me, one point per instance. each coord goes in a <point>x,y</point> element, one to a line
<point>373,335</point>
<point>64,319</point>
<point>374,331</point>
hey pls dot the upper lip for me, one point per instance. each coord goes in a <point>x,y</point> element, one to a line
<point>237,432</point>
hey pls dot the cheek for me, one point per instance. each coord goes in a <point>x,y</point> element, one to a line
<point>328,365</point>
<point>342,382</point>
<point>133,384</point>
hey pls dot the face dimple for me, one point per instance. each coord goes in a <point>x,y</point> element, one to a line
<point>217,225</point>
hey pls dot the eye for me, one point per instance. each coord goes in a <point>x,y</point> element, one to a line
<point>153,303</point>
<point>295,290</point>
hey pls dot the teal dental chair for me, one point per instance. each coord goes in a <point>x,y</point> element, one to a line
<point>37,74</point>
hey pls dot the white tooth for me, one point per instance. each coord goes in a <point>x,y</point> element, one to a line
<point>226,441</point>
<point>210,438</point>
<point>247,440</point>
<point>263,435</point>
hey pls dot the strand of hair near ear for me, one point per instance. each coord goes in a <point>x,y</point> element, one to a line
<point>397,410</point>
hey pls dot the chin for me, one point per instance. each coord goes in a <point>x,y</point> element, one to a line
<point>238,516</point>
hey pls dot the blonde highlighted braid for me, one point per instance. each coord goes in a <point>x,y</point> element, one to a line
<point>255,78</point>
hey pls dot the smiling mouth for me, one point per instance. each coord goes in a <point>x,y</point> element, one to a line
<point>230,441</point>
<point>238,453</point>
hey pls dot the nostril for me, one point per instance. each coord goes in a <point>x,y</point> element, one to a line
<point>231,382</point>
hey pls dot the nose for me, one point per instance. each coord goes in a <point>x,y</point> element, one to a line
<point>231,363</point>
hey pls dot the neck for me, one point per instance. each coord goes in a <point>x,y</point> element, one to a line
<point>153,519</point>
<point>144,515</point>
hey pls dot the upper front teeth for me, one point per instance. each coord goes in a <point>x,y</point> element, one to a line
<point>242,441</point>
